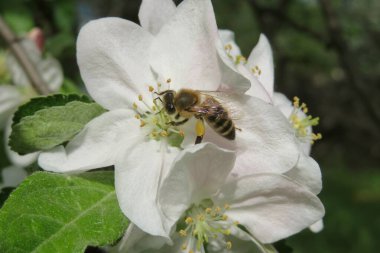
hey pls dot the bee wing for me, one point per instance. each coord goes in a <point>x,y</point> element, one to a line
<point>228,101</point>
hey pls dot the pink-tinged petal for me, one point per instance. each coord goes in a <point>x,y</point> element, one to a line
<point>197,173</point>
<point>270,206</point>
<point>112,56</point>
<point>262,57</point>
<point>184,49</point>
<point>307,173</point>
<point>317,227</point>
<point>266,141</point>
<point>154,14</point>
<point>138,175</point>
<point>96,146</point>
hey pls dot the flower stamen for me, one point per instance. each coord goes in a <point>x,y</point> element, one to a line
<point>303,124</point>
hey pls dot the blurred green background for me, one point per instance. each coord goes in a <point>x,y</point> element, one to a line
<point>326,52</point>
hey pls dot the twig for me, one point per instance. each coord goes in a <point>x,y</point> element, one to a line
<point>18,51</point>
<point>338,42</point>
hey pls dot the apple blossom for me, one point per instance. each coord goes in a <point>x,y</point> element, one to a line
<point>201,208</point>
<point>123,66</point>
<point>260,65</point>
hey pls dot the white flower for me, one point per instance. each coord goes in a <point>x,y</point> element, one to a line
<point>200,207</point>
<point>12,96</point>
<point>122,65</point>
<point>260,65</point>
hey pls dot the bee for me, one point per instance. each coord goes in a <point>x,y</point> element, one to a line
<point>187,103</point>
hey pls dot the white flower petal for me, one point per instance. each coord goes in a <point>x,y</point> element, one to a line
<point>96,146</point>
<point>197,173</point>
<point>12,176</point>
<point>270,206</point>
<point>10,98</point>
<point>113,60</point>
<point>262,57</point>
<point>317,227</point>
<point>308,173</point>
<point>48,67</point>
<point>154,14</point>
<point>184,49</point>
<point>266,142</point>
<point>138,173</point>
<point>135,240</point>
<point>232,79</point>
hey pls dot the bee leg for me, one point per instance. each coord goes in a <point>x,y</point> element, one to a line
<point>178,123</point>
<point>199,130</point>
<point>238,129</point>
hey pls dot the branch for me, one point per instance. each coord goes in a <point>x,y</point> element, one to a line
<point>18,51</point>
<point>338,42</point>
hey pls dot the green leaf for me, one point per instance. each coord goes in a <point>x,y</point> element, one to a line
<point>39,103</point>
<point>60,213</point>
<point>53,126</point>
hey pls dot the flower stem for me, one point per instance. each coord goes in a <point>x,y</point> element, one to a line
<point>18,51</point>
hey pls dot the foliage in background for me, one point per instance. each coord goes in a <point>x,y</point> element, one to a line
<point>308,64</point>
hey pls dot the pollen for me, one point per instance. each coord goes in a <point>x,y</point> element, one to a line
<point>154,119</point>
<point>256,70</point>
<point>204,223</point>
<point>302,123</point>
<point>182,233</point>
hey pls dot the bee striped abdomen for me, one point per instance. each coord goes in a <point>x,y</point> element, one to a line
<point>221,123</point>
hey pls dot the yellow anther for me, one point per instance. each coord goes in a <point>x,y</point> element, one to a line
<point>134,106</point>
<point>137,116</point>
<point>189,220</point>
<point>191,251</point>
<point>296,102</point>
<point>151,89</point>
<point>227,206</point>
<point>200,217</point>
<point>164,133</point>
<point>169,80</point>
<point>200,128</point>
<point>227,232</point>
<point>217,209</point>
<point>184,246</point>
<point>228,245</point>
<point>208,210</point>
<point>224,217</point>
<point>142,123</point>
<point>181,133</point>
<point>140,97</point>
<point>182,233</point>
<point>158,85</point>
<point>236,223</point>
<point>305,110</point>
<point>228,47</point>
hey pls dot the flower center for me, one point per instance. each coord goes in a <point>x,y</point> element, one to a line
<point>204,222</point>
<point>155,120</point>
<point>303,124</point>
